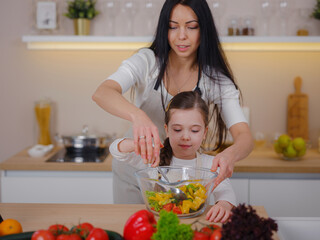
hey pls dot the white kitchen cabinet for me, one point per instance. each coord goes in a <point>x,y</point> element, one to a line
<point>241,189</point>
<point>298,228</point>
<point>281,196</point>
<point>286,197</point>
<point>56,187</point>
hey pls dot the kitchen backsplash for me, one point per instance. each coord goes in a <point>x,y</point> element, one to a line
<point>232,17</point>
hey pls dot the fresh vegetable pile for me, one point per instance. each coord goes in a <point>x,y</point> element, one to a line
<point>83,231</point>
<point>143,226</point>
<point>243,224</point>
<point>196,194</point>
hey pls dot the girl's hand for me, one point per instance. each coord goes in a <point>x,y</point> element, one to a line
<point>146,139</point>
<point>220,212</point>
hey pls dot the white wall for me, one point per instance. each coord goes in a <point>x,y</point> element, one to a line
<point>70,77</point>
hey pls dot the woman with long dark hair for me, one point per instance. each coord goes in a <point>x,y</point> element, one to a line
<point>186,55</point>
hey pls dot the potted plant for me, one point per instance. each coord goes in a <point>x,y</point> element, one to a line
<point>316,11</point>
<point>82,12</point>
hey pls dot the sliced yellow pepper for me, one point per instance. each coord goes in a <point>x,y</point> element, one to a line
<point>186,205</point>
<point>201,192</point>
<point>183,188</point>
<point>190,191</point>
<point>196,203</point>
<point>197,185</point>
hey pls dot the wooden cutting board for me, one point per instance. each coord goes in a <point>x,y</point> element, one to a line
<point>297,125</point>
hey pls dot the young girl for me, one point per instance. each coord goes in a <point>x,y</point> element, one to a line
<point>186,125</point>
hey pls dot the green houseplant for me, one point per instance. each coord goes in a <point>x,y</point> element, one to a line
<point>81,11</point>
<point>316,11</point>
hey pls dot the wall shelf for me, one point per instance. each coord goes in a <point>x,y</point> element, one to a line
<point>236,43</point>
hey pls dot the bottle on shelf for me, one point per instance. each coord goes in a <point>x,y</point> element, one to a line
<point>248,29</point>
<point>304,24</point>
<point>233,27</point>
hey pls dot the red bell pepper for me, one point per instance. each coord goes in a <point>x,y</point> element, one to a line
<point>140,226</point>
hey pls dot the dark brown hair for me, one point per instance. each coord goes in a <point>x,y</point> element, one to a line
<point>183,100</point>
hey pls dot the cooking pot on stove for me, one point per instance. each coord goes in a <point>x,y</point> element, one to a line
<point>85,142</point>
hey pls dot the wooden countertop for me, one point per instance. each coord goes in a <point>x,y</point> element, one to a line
<point>107,216</point>
<point>259,161</point>
<point>267,161</point>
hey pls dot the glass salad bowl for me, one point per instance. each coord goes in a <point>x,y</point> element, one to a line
<point>187,193</point>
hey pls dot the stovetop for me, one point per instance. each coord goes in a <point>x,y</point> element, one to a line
<point>79,156</point>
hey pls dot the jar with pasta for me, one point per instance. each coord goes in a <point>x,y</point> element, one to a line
<point>43,112</point>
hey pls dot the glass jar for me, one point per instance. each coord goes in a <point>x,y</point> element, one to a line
<point>303,26</point>
<point>259,140</point>
<point>43,112</point>
<point>248,29</point>
<point>233,27</point>
<point>110,8</point>
<point>146,19</point>
<point>124,22</point>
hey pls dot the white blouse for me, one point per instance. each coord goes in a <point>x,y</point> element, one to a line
<point>141,70</point>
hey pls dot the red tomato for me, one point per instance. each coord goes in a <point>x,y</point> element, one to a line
<point>176,209</point>
<point>200,236</point>
<point>42,235</point>
<point>83,229</point>
<point>214,226</point>
<point>97,234</point>
<point>207,230</point>
<point>58,229</point>
<point>72,236</point>
<point>216,235</point>
<point>168,207</point>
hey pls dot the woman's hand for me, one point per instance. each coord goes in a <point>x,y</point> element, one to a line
<point>146,139</point>
<point>220,212</point>
<point>242,146</point>
<point>109,97</point>
<point>224,160</point>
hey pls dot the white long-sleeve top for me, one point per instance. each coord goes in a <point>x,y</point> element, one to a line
<point>141,71</point>
<point>224,191</point>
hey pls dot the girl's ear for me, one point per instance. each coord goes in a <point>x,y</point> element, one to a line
<point>166,129</point>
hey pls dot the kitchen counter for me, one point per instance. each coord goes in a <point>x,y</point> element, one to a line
<point>259,161</point>
<point>107,216</point>
<point>267,161</point>
<point>22,161</point>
